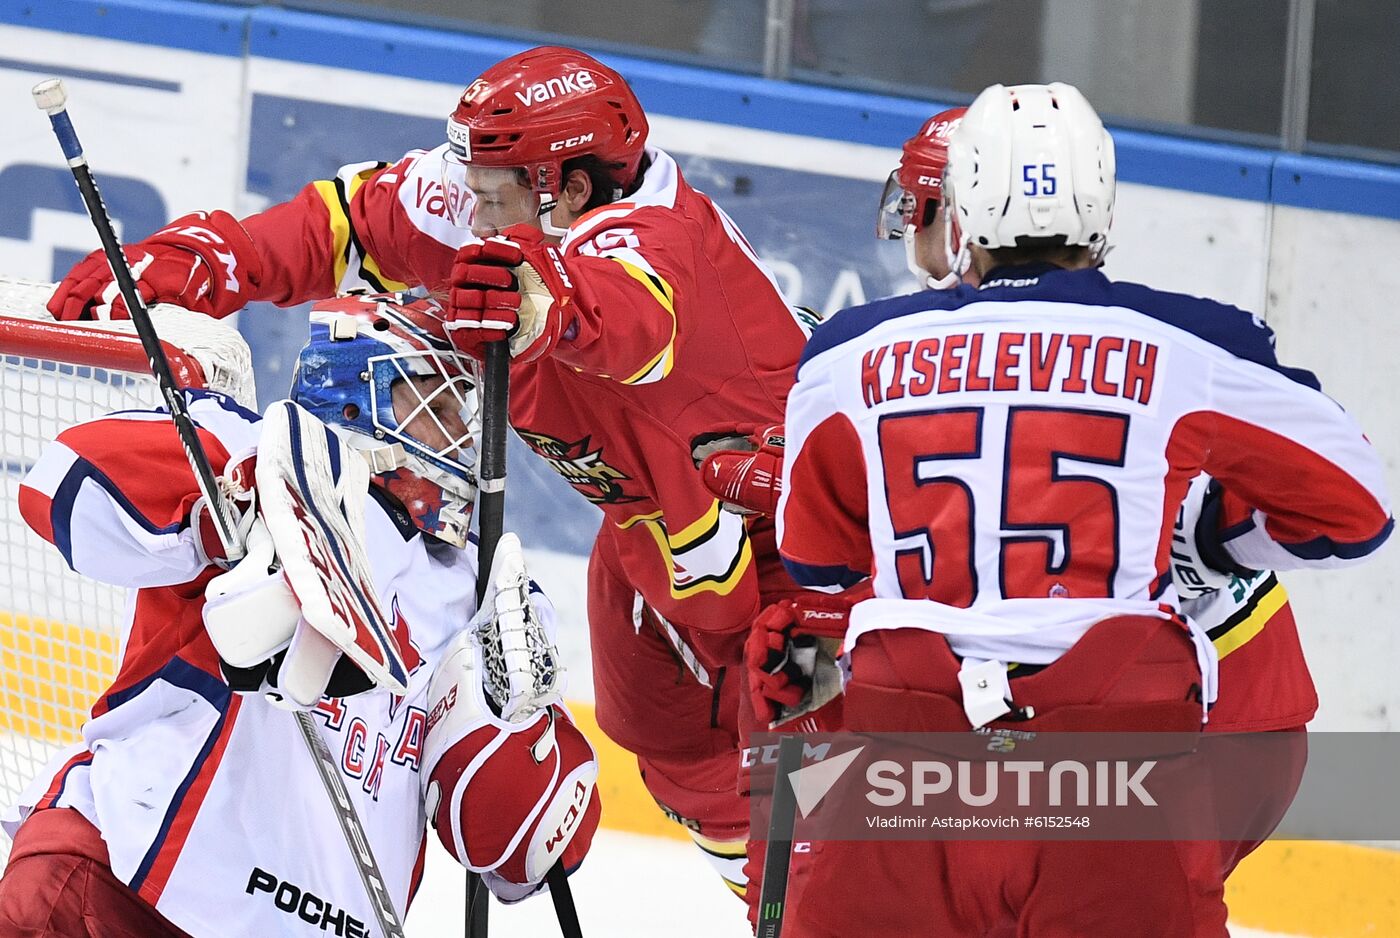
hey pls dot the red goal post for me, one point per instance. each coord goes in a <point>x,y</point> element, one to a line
<point>59,632</point>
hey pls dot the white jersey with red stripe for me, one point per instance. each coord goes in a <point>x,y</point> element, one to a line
<point>207,799</point>
<point>1017,452</point>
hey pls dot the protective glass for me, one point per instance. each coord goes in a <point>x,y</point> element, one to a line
<point>897,205</point>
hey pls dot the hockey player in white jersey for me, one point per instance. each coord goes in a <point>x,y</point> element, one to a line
<point>1005,461</point>
<point>1264,680</point>
<point>191,806</point>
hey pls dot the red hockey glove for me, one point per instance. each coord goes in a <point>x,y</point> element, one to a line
<point>790,653</point>
<point>241,498</point>
<point>203,262</point>
<point>745,472</point>
<point>512,287</point>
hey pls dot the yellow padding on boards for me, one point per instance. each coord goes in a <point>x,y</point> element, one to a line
<point>50,672</point>
<point>1319,889</point>
<point>627,805</point>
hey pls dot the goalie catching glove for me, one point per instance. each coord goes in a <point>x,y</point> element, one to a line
<point>508,780</point>
<point>204,262</point>
<point>513,287</point>
<point>299,617</point>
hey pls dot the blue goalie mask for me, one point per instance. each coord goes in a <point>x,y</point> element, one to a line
<point>381,368</point>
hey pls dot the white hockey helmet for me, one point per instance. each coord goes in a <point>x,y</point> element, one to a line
<point>1030,161</point>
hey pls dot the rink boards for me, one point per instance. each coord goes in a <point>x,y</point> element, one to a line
<point>186,105</point>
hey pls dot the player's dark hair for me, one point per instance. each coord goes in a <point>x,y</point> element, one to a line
<point>603,176</point>
<point>1028,250</point>
<point>606,187</point>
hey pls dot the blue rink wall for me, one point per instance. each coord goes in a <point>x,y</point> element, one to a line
<point>185,105</point>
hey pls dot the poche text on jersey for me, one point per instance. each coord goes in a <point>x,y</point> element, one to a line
<point>306,905</point>
<point>1065,363</point>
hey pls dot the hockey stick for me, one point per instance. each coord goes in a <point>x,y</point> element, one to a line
<point>51,98</point>
<point>490,520</point>
<point>491,485</point>
<point>772,900</point>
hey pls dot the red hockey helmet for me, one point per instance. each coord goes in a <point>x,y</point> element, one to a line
<point>918,182</point>
<point>537,109</point>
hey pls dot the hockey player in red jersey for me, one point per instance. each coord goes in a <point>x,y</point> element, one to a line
<point>1265,684</point>
<point>641,319</point>
<point>1018,450</point>
<point>190,807</point>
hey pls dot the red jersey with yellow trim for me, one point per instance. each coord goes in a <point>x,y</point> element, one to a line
<point>1264,679</point>
<point>679,331</point>
<point>682,332</point>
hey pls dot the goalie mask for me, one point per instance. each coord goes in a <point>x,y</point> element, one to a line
<point>381,368</point>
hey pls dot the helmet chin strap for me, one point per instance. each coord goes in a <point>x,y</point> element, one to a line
<point>928,280</point>
<point>548,204</point>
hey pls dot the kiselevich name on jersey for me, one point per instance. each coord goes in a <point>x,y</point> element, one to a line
<point>305,905</point>
<point>1063,363</point>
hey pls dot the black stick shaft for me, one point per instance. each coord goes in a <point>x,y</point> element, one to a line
<point>563,898</point>
<point>50,97</point>
<point>772,900</point>
<point>490,520</point>
<point>491,479</point>
<point>490,507</point>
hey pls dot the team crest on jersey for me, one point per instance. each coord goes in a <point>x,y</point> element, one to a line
<point>585,470</point>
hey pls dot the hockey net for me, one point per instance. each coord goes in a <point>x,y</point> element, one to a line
<point>60,632</point>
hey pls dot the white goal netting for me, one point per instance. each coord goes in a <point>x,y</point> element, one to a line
<point>59,631</point>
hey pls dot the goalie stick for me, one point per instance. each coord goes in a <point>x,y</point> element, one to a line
<point>491,485</point>
<point>51,98</point>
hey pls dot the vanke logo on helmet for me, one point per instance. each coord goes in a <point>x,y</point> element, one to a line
<point>570,82</point>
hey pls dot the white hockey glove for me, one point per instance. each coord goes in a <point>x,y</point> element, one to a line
<point>1196,553</point>
<point>508,780</point>
<point>300,616</point>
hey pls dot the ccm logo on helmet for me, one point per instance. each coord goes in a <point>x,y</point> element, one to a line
<point>571,142</point>
<point>542,91</point>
